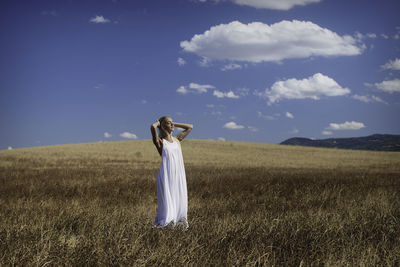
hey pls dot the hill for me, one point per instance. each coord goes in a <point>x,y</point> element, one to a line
<point>377,142</point>
<point>141,154</point>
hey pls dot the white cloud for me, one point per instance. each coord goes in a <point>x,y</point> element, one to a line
<point>229,94</point>
<point>128,135</point>
<point>99,19</point>
<point>243,91</point>
<point>267,4</point>
<point>221,139</point>
<point>267,117</point>
<point>392,65</point>
<point>378,99</point>
<point>390,86</point>
<point>384,36</point>
<point>289,115</point>
<point>182,90</point>
<point>294,131</point>
<point>362,98</point>
<point>252,128</point>
<point>358,36</point>
<point>194,88</point>
<point>107,135</point>
<point>274,4</point>
<point>99,86</point>
<point>348,125</point>
<point>232,66</point>
<point>233,126</point>
<point>9,148</point>
<point>368,99</point>
<point>369,84</point>
<point>181,61</point>
<point>313,87</point>
<point>397,35</point>
<point>144,101</point>
<point>205,62</point>
<point>200,88</point>
<point>210,105</point>
<point>259,42</point>
<point>325,132</point>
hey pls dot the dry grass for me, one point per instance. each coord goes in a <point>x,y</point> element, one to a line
<point>94,204</point>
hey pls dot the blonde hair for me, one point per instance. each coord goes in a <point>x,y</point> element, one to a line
<point>161,131</point>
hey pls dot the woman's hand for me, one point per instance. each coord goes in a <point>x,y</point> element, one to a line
<point>156,124</point>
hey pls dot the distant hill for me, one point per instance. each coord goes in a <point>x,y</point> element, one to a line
<point>378,142</point>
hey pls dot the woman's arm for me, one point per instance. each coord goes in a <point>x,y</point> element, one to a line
<point>156,140</point>
<point>187,128</point>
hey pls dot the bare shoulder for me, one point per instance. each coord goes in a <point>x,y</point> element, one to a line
<point>176,139</point>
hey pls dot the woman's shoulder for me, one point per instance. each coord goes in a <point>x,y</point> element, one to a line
<point>176,140</point>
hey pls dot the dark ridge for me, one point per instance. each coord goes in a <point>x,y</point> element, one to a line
<point>376,142</point>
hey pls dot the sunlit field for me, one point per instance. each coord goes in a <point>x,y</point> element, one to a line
<point>249,204</point>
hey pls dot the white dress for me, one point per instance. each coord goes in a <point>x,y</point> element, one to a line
<point>172,196</point>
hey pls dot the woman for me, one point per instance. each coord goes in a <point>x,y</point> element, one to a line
<point>172,197</point>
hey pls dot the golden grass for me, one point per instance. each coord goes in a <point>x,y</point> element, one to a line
<point>249,203</point>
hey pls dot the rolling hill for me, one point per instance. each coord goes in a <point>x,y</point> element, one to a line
<point>377,142</point>
<point>249,204</point>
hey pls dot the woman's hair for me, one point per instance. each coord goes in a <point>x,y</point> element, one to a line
<point>161,132</point>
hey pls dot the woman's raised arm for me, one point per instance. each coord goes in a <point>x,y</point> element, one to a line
<point>187,128</point>
<point>156,140</point>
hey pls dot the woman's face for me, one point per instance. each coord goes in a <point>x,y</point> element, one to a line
<point>168,125</point>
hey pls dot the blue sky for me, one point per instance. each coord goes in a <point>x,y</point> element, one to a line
<point>245,70</point>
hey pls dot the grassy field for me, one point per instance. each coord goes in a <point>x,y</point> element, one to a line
<point>249,204</point>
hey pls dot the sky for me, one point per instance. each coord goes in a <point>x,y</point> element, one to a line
<point>75,71</point>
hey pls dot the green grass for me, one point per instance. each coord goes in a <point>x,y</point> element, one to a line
<point>94,204</point>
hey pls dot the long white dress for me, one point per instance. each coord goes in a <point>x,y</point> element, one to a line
<point>172,196</point>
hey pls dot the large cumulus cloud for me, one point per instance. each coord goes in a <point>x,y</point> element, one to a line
<point>259,42</point>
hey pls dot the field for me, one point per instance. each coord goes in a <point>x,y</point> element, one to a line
<point>249,204</point>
